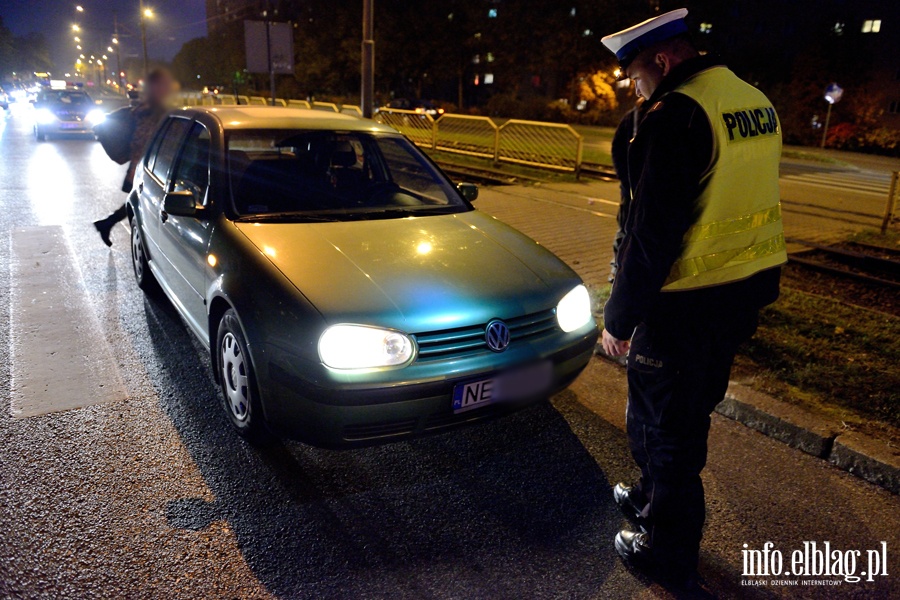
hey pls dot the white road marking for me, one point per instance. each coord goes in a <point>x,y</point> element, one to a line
<point>863,182</point>
<point>60,358</point>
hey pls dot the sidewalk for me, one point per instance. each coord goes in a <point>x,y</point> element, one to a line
<point>577,222</point>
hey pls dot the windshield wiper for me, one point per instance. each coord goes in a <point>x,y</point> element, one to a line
<point>285,216</point>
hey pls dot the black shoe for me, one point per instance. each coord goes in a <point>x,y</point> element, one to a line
<point>104,226</point>
<point>634,548</point>
<point>632,509</point>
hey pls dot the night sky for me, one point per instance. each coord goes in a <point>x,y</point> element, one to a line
<point>176,22</point>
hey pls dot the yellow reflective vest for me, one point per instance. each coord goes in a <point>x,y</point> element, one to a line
<point>739,231</point>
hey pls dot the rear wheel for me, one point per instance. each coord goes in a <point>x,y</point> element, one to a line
<point>239,391</point>
<point>142,274</point>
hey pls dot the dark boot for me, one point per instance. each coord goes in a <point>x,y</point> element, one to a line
<point>104,226</point>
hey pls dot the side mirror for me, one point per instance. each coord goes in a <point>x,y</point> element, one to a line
<point>469,191</point>
<point>180,203</point>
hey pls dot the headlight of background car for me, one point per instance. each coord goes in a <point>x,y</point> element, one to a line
<point>574,310</point>
<point>95,117</point>
<point>44,116</point>
<point>361,347</point>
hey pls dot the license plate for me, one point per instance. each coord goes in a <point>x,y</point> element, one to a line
<point>507,387</point>
<point>70,126</point>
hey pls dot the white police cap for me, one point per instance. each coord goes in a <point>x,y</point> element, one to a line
<point>628,43</point>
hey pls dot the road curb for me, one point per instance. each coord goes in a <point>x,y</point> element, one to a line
<point>818,444</point>
<point>864,456</point>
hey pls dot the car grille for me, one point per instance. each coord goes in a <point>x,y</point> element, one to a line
<point>407,427</point>
<point>442,420</point>
<point>65,116</point>
<point>379,430</point>
<point>451,343</point>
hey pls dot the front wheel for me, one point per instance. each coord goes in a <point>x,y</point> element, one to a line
<point>142,274</point>
<point>239,391</point>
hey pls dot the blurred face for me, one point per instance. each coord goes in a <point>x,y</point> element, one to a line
<point>160,91</point>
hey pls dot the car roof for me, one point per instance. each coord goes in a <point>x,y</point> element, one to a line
<point>275,117</point>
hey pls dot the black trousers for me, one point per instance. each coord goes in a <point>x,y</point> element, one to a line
<point>678,370</point>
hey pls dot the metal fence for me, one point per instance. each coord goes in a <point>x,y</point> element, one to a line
<point>464,134</point>
<point>533,143</point>
<point>545,145</point>
<point>538,144</point>
<point>419,127</point>
<point>326,106</point>
<point>891,205</point>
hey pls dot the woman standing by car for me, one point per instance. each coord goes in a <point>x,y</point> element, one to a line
<point>160,86</point>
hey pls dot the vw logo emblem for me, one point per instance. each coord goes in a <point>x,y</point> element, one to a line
<point>496,334</point>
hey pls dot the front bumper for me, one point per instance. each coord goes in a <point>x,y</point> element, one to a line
<point>360,415</point>
<point>65,128</point>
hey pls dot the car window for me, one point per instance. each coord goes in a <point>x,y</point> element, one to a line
<point>153,148</point>
<point>168,147</point>
<point>333,175</point>
<point>193,164</point>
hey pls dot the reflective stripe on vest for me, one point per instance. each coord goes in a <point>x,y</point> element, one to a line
<point>738,232</point>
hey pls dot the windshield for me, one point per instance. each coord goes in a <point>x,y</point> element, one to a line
<point>326,175</point>
<point>67,97</point>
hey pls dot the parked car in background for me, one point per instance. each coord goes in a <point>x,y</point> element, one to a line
<point>348,292</point>
<point>424,107</point>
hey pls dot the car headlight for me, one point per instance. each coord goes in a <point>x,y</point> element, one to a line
<point>362,347</point>
<point>574,310</point>
<point>44,116</point>
<point>95,117</point>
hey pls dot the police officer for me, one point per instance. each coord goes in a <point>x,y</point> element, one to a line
<point>700,256</point>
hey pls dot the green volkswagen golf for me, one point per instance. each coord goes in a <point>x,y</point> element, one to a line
<point>348,292</point>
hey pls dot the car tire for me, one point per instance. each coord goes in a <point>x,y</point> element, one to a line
<point>140,265</point>
<point>240,394</point>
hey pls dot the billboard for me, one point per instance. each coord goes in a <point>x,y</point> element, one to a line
<point>281,38</point>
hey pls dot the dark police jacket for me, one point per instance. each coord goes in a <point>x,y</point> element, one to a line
<point>665,164</point>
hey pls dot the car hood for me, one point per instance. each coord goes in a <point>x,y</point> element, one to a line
<point>415,274</point>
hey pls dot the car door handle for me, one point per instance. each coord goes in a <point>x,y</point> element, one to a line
<point>140,187</point>
<point>163,216</point>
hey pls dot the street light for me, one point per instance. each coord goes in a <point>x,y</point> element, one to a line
<point>79,8</point>
<point>75,27</point>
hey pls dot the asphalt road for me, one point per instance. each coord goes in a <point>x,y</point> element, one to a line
<point>153,497</point>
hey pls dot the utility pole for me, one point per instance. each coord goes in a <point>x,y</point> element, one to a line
<point>367,95</point>
<point>118,49</point>
<point>269,50</point>
<point>144,35</point>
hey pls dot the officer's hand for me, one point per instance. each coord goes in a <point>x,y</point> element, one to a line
<point>614,347</point>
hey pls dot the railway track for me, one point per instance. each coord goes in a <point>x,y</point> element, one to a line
<point>873,265</point>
